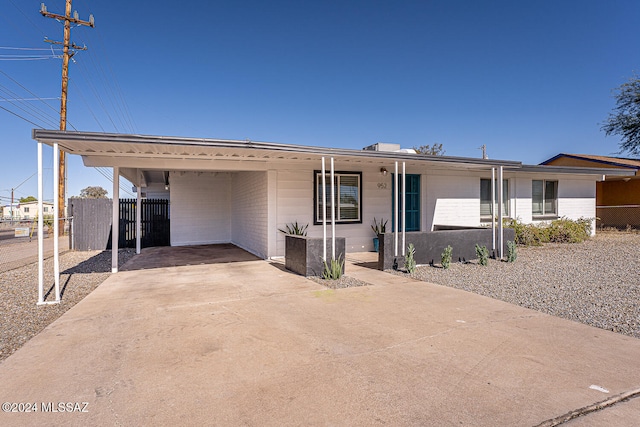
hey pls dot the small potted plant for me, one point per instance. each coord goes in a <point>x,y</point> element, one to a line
<point>378,228</point>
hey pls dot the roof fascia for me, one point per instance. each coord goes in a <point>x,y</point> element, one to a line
<point>51,136</point>
<point>574,170</point>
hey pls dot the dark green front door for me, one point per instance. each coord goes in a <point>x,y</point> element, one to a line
<point>412,198</point>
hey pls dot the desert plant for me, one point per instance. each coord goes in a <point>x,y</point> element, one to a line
<point>410,261</point>
<point>483,254</point>
<point>561,230</point>
<point>379,227</point>
<point>295,229</point>
<point>512,252</point>
<point>446,257</point>
<point>333,269</point>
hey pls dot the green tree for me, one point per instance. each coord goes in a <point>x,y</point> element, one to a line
<point>430,150</point>
<point>28,199</point>
<point>625,118</point>
<point>93,193</point>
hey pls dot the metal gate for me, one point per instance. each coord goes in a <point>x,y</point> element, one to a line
<point>154,223</point>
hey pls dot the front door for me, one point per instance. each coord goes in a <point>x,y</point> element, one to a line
<point>412,198</point>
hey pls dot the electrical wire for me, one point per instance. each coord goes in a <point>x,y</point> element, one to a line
<point>34,111</point>
<point>18,115</point>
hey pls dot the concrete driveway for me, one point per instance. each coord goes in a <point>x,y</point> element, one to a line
<point>247,343</point>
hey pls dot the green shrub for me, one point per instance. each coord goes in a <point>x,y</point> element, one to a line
<point>295,229</point>
<point>410,261</point>
<point>446,257</point>
<point>561,230</point>
<point>483,254</point>
<point>526,234</point>
<point>512,253</point>
<point>564,230</point>
<point>333,269</point>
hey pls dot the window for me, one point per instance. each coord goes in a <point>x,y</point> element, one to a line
<point>348,197</point>
<point>46,209</point>
<point>486,207</point>
<point>544,197</point>
<point>26,210</point>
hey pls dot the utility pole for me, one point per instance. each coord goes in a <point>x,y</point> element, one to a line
<point>66,55</point>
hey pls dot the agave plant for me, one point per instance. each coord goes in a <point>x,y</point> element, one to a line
<point>295,229</point>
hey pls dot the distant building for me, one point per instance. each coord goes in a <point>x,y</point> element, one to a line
<point>617,197</point>
<point>26,211</point>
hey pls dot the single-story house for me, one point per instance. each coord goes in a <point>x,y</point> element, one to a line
<point>617,197</point>
<point>243,192</point>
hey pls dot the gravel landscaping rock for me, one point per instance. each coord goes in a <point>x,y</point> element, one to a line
<point>596,282</point>
<point>343,282</point>
<point>80,273</point>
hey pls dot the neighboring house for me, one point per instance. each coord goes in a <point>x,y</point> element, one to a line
<point>26,211</point>
<point>242,192</point>
<point>617,197</point>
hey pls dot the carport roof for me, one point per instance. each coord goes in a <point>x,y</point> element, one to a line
<point>148,146</point>
<point>134,154</point>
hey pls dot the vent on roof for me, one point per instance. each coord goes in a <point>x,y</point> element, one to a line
<point>382,146</point>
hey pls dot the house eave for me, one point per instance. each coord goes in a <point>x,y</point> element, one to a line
<point>129,145</point>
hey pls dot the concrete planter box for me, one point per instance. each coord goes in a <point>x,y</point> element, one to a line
<point>430,244</point>
<point>303,254</point>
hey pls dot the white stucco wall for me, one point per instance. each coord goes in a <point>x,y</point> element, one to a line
<point>295,203</point>
<point>200,208</point>
<point>453,200</point>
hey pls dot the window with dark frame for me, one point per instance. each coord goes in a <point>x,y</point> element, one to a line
<point>348,197</point>
<point>544,198</point>
<point>486,207</point>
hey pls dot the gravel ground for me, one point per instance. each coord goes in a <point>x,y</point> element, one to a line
<point>81,273</point>
<point>596,282</point>
<point>343,282</point>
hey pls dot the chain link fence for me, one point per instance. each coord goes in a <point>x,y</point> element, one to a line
<point>620,217</point>
<point>19,242</point>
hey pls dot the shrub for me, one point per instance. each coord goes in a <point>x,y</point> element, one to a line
<point>512,253</point>
<point>295,229</point>
<point>564,230</point>
<point>446,257</point>
<point>333,269</point>
<point>561,230</point>
<point>410,261</point>
<point>483,254</point>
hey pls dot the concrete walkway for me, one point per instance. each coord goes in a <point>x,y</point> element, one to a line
<point>246,343</point>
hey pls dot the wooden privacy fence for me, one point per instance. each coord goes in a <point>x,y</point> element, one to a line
<point>91,223</point>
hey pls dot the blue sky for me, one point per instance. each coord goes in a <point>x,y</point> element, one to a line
<point>528,79</point>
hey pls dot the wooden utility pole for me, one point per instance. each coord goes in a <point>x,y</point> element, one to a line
<point>66,55</point>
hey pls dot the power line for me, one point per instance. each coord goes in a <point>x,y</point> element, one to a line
<point>39,114</point>
<point>27,48</point>
<point>27,17</point>
<point>18,115</point>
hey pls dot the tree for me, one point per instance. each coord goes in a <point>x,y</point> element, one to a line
<point>93,193</point>
<point>430,150</point>
<point>28,199</point>
<point>625,119</point>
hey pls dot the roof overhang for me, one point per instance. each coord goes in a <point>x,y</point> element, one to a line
<point>573,170</point>
<point>136,153</point>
